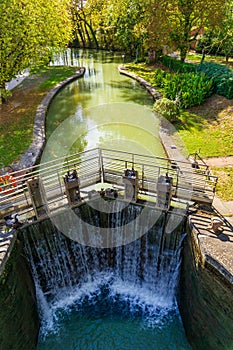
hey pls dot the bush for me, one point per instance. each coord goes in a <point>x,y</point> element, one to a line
<point>176,65</point>
<point>166,108</point>
<point>159,77</point>
<point>189,89</point>
<point>222,77</point>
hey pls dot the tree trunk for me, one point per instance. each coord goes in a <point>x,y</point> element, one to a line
<point>93,34</point>
<point>3,94</point>
<point>183,54</point>
<point>203,56</point>
<point>81,35</point>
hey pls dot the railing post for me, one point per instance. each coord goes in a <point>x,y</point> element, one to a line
<point>143,176</point>
<point>101,165</point>
<point>59,181</point>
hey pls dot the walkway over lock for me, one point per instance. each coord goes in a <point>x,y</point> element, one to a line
<point>107,168</point>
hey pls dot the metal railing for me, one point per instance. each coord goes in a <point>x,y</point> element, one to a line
<point>101,165</point>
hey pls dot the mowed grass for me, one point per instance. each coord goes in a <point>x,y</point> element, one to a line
<point>208,134</point>
<point>17,115</point>
<point>224,187</point>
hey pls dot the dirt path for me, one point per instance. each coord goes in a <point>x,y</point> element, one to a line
<point>219,161</point>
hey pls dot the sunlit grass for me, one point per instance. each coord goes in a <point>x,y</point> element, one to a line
<point>196,58</point>
<point>224,187</point>
<point>18,114</point>
<point>54,75</point>
<point>143,70</point>
<point>211,138</point>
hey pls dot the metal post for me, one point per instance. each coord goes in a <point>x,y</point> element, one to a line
<point>101,165</point>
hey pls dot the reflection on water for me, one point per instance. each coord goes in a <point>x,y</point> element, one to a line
<point>103,108</point>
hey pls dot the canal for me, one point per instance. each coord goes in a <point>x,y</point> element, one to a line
<point>107,310</point>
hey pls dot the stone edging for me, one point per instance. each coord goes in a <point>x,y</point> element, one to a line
<point>154,93</point>
<point>33,153</point>
<point>206,259</point>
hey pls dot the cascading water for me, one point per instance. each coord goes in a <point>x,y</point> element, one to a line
<point>122,297</point>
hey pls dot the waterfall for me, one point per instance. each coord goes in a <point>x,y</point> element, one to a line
<point>142,274</point>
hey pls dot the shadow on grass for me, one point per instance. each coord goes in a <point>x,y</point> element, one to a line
<point>188,121</point>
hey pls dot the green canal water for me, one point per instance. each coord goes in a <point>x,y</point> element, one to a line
<point>102,109</point>
<point>106,109</point>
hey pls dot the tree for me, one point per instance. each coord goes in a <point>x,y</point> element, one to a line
<point>224,35</point>
<point>28,33</point>
<point>189,17</point>
<point>82,14</point>
<point>158,24</point>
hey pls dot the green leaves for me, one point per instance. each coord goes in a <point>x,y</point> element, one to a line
<point>187,89</point>
<point>222,77</point>
<point>28,30</point>
<point>167,109</point>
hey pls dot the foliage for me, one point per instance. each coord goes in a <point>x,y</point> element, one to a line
<point>220,40</point>
<point>190,17</point>
<point>28,32</point>
<point>85,21</point>
<point>138,27</point>
<point>110,24</point>
<point>166,108</point>
<point>222,77</point>
<point>176,65</point>
<point>188,89</point>
<point>159,77</point>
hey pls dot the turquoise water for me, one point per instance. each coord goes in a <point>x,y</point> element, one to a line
<point>112,316</point>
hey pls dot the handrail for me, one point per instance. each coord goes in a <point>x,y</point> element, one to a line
<point>106,165</point>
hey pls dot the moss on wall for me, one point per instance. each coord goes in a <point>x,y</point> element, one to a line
<point>19,322</point>
<point>205,300</point>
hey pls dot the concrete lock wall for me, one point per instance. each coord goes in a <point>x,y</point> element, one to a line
<point>205,300</point>
<point>19,320</point>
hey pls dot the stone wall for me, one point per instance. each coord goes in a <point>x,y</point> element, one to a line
<point>205,300</point>
<point>19,321</point>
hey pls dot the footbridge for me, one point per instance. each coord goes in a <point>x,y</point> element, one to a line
<point>159,181</point>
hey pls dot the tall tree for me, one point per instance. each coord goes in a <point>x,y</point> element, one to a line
<point>224,35</point>
<point>189,17</point>
<point>82,15</point>
<point>28,32</point>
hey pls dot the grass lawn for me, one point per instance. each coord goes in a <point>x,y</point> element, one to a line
<point>17,115</point>
<point>196,58</point>
<point>208,128</point>
<point>224,187</point>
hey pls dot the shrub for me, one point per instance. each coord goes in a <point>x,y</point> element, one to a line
<point>222,77</point>
<point>189,89</point>
<point>176,65</point>
<point>159,77</point>
<point>166,108</point>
